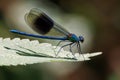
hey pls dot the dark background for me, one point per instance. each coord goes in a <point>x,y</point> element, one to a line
<point>104,16</point>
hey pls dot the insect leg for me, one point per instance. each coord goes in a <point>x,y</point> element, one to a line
<point>72,45</point>
<point>63,47</point>
<point>79,50</point>
<point>59,43</point>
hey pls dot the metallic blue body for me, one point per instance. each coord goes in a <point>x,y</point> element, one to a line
<point>38,36</point>
<point>70,37</point>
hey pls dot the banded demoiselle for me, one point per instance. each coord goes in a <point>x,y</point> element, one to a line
<point>42,23</point>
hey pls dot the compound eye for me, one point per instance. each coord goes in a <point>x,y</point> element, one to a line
<point>81,39</point>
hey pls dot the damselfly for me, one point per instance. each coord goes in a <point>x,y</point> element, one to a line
<point>43,24</point>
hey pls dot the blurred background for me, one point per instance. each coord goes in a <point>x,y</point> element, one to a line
<point>97,20</point>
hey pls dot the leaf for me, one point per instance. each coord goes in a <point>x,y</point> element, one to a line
<point>23,51</point>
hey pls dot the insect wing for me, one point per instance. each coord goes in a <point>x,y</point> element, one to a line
<point>43,24</point>
<point>39,21</point>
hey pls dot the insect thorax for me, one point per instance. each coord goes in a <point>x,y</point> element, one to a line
<point>73,38</point>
